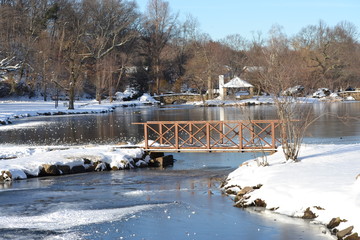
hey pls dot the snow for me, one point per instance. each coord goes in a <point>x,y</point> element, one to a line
<point>237,83</point>
<point>71,218</point>
<point>12,109</point>
<point>30,161</point>
<point>326,176</point>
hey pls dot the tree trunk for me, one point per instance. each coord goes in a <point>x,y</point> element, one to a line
<point>210,88</point>
<point>71,95</point>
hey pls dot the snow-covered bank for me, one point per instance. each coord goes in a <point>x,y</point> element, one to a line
<point>23,162</point>
<point>323,185</point>
<point>12,109</point>
<point>257,100</point>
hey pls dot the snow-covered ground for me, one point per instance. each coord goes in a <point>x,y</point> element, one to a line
<point>257,100</point>
<point>11,109</point>
<point>326,179</point>
<point>20,162</point>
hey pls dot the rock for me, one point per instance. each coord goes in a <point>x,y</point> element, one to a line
<point>114,168</point>
<point>100,166</point>
<point>50,170</point>
<point>164,161</point>
<point>308,214</point>
<point>357,177</point>
<point>353,236</point>
<point>240,194</point>
<point>341,234</point>
<point>245,190</point>
<point>87,161</point>
<point>64,169</point>
<point>5,176</point>
<point>260,203</point>
<point>334,223</point>
<point>78,169</point>
<point>141,164</point>
<point>154,155</point>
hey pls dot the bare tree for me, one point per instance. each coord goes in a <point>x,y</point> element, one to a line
<point>110,25</point>
<point>280,75</point>
<point>159,27</point>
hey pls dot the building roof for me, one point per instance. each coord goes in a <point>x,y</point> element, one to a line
<point>237,83</point>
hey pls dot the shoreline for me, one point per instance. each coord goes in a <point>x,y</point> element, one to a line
<point>18,163</point>
<point>324,187</point>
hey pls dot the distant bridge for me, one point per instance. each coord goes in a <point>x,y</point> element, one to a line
<point>178,98</point>
<point>211,136</point>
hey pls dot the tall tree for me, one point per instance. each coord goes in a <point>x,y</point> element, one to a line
<point>159,26</point>
<point>110,24</point>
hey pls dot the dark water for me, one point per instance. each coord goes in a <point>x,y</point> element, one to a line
<point>181,202</point>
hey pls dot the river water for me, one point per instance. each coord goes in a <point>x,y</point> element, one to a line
<point>180,202</point>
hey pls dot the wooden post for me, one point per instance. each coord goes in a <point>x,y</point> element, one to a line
<point>191,133</point>
<point>252,133</point>
<point>273,135</point>
<point>241,146</point>
<point>176,135</point>
<point>208,135</point>
<point>161,134</point>
<point>146,136</point>
<point>221,132</point>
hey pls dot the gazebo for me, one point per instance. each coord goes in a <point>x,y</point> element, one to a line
<point>235,88</point>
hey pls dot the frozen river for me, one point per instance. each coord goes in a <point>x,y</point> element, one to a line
<point>181,202</point>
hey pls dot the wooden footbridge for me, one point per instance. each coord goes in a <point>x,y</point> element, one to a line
<point>211,136</point>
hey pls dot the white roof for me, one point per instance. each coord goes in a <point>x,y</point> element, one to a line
<point>237,83</point>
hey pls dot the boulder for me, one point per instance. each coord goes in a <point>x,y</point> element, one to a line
<point>242,192</point>
<point>49,170</point>
<point>354,236</point>
<point>164,161</point>
<point>78,169</point>
<point>260,203</point>
<point>245,190</point>
<point>154,155</point>
<point>341,234</point>
<point>64,169</point>
<point>334,223</point>
<point>5,176</point>
<point>100,166</point>
<point>308,214</point>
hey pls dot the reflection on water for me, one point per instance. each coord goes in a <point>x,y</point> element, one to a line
<point>182,202</point>
<point>117,126</point>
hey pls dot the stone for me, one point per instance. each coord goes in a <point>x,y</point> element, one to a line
<point>87,161</point>
<point>308,214</point>
<point>358,177</point>
<point>100,166</point>
<point>354,236</point>
<point>154,155</point>
<point>78,169</point>
<point>50,170</point>
<point>64,169</point>
<point>164,161</point>
<point>245,190</point>
<point>260,203</point>
<point>334,223</point>
<point>341,234</point>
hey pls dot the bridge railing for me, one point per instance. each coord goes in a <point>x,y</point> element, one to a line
<point>254,135</point>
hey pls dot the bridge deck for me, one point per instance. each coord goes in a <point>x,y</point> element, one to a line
<point>211,136</point>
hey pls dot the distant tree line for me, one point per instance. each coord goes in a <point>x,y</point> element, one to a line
<point>98,47</point>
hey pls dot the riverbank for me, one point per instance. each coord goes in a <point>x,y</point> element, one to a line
<point>324,185</point>
<point>18,163</point>
<point>14,109</point>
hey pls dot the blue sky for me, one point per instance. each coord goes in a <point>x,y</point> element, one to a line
<point>220,18</point>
